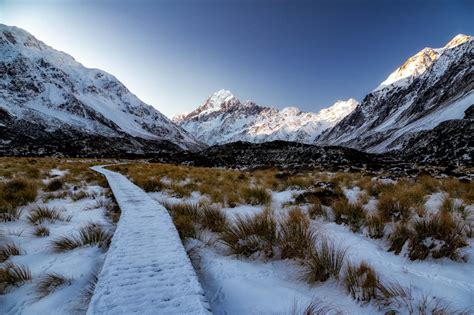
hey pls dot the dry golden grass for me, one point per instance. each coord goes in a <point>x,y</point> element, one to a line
<point>49,283</point>
<point>40,231</point>
<point>296,236</point>
<point>362,282</point>
<point>41,214</point>
<point>89,235</point>
<point>249,235</point>
<point>446,233</point>
<point>325,260</point>
<point>13,275</point>
<point>257,196</point>
<point>9,249</point>
<point>18,191</point>
<point>399,237</point>
<point>375,226</point>
<point>352,214</point>
<point>213,218</point>
<point>401,200</point>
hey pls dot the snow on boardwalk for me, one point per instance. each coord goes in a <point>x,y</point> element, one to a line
<point>147,270</point>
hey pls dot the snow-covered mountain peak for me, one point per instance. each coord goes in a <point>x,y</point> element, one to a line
<point>338,110</point>
<point>458,40</point>
<point>419,63</point>
<point>413,67</point>
<point>290,111</point>
<point>218,101</point>
<point>223,118</point>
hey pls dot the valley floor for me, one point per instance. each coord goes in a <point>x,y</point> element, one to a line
<point>414,259</point>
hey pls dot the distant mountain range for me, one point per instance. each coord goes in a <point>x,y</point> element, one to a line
<point>224,119</point>
<point>52,105</point>
<point>422,111</point>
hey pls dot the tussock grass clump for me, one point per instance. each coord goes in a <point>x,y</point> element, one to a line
<point>316,208</point>
<point>49,283</point>
<point>440,235</point>
<point>375,226</point>
<point>362,282</point>
<point>296,237</point>
<point>18,191</point>
<point>457,189</point>
<point>93,234</point>
<point>151,184</point>
<point>9,212</point>
<point>43,213</point>
<point>78,195</point>
<point>257,196</point>
<point>185,216</point>
<point>213,218</point>
<point>90,288</point>
<point>40,231</point>
<point>324,261</point>
<point>13,275</point>
<point>9,249</point>
<point>54,185</point>
<point>352,214</point>
<point>89,235</point>
<point>399,237</point>
<point>454,207</point>
<point>186,226</point>
<point>249,235</point>
<point>392,208</point>
<point>312,308</point>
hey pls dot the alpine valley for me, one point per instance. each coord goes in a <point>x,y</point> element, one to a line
<point>52,105</point>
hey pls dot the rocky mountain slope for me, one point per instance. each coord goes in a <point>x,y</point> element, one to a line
<point>418,107</point>
<point>224,119</point>
<point>50,103</point>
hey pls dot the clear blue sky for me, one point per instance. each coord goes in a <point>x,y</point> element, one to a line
<point>173,54</point>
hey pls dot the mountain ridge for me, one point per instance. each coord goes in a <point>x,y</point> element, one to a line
<point>48,89</point>
<point>224,118</point>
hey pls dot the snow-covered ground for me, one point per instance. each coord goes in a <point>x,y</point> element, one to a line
<point>236,285</point>
<point>147,270</point>
<point>78,265</point>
